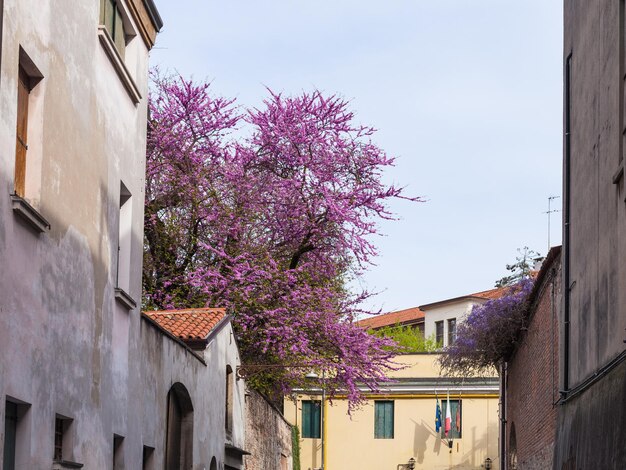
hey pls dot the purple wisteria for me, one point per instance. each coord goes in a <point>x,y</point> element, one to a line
<point>267,212</point>
<point>489,333</point>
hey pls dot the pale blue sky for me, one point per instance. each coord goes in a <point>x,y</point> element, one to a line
<point>465,93</point>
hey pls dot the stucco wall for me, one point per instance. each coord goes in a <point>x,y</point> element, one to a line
<point>68,347</point>
<point>350,441</point>
<point>445,312</point>
<point>165,362</point>
<point>268,436</point>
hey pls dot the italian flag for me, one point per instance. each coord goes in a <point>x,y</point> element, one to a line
<point>448,424</point>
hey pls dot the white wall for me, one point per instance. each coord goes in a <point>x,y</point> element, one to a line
<point>459,310</point>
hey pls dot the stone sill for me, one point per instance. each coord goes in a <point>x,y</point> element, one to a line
<point>62,464</point>
<point>118,64</point>
<point>124,298</point>
<point>29,214</point>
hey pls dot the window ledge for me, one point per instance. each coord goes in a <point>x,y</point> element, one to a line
<point>29,214</point>
<point>61,464</point>
<point>124,298</point>
<point>118,64</point>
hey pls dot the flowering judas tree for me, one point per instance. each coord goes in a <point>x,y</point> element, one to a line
<point>271,226</point>
<point>489,333</point>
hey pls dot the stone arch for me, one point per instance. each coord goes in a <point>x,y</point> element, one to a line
<point>179,430</point>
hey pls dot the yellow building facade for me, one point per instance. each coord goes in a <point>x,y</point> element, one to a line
<point>397,423</point>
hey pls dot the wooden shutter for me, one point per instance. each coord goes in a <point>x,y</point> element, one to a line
<point>383,419</point>
<point>311,418</point>
<point>21,144</point>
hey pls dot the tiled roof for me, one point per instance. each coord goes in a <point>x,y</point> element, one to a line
<point>409,315</point>
<point>188,324</point>
<point>491,294</point>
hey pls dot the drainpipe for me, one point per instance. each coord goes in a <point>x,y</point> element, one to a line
<point>566,228</point>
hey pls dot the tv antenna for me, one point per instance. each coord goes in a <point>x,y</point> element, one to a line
<point>549,213</point>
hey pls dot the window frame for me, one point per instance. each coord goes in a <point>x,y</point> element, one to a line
<point>439,338</point>
<point>384,419</point>
<point>451,331</point>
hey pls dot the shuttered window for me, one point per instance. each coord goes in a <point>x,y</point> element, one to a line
<point>456,421</point>
<point>383,419</point>
<point>311,419</point>
<point>21,144</point>
<point>111,18</point>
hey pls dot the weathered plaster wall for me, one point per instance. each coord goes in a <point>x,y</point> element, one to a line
<point>165,362</point>
<point>67,346</point>
<point>268,436</point>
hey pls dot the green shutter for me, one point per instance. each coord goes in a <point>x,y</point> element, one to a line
<point>311,419</point>
<point>383,419</point>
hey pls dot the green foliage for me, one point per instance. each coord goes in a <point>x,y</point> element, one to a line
<point>521,269</point>
<point>410,340</point>
<point>295,447</point>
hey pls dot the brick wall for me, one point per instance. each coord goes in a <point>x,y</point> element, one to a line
<point>268,436</point>
<point>532,377</point>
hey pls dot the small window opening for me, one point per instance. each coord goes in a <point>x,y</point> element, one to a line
<point>124,239</point>
<point>118,452</point>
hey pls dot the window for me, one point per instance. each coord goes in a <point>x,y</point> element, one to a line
<point>124,239</point>
<point>10,435</point>
<point>383,419</point>
<point>228,418</point>
<point>118,454</point>
<point>455,415</point>
<point>311,419</point>
<point>15,433</point>
<point>179,439</point>
<point>28,78</point>
<point>148,458</point>
<point>58,439</point>
<point>21,132</point>
<point>439,333</point>
<point>113,21</point>
<point>116,33</point>
<point>451,331</point>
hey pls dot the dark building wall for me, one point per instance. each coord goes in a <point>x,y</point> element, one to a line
<point>593,37</point>
<point>591,416</point>
<point>532,376</point>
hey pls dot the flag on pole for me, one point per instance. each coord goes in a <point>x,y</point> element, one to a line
<point>438,417</point>
<point>458,417</point>
<point>448,424</point>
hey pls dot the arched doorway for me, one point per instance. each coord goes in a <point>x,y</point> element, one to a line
<point>179,439</point>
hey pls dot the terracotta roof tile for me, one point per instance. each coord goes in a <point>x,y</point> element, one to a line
<point>411,315</point>
<point>188,324</point>
<point>491,293</point>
